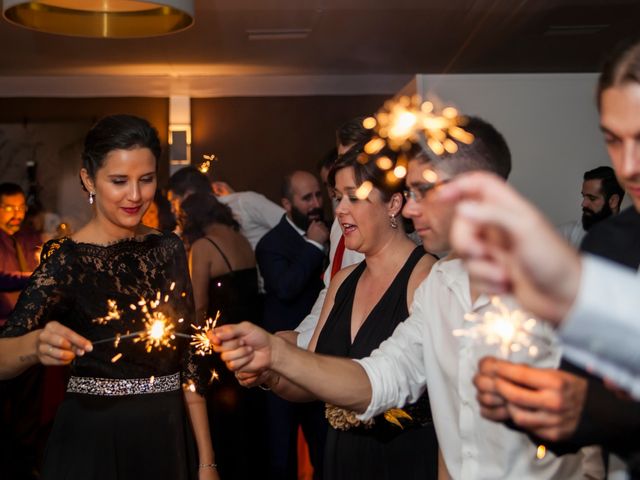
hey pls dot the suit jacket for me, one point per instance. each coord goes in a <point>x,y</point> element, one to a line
<point>292,271</point>
<point>606,419</point>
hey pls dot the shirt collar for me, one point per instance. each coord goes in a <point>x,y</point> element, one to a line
<point>295,227</point>
<point>454,275</point>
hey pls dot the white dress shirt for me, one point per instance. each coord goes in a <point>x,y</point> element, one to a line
<point>308,325</point>
<point>423,351</point>
<point>602,331</point>
<point>572,232</point>
<point>255,213</point>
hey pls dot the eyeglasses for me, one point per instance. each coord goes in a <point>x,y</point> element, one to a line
<point>14,209</point>
<point>418,192</point>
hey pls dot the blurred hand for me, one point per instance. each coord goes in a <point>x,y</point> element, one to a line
<point>220,189</point>
<point>509,246</point>
<point>546,402</point>
<point>59,345</point>
<point>318,232</point>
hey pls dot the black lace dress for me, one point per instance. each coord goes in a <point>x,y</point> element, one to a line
<point>383,450</point>
<point>123,416</point>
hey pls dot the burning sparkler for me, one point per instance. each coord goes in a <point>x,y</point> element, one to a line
<point>410,120</point>
<point>159,330</point>
<point>512,330</point>
<point>200,340</point>
<point>205,166</point>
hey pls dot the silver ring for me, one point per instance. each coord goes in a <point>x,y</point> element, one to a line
<point>50,349</point>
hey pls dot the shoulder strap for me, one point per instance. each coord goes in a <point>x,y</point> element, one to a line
<point>224,257</point>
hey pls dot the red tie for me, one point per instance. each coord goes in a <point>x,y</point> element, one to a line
<point>337,258</point>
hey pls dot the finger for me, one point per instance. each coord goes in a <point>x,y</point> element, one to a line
<point>236,354</point>
<point>523,397</point>
<point>228,345</point>
<point>488,365</point>
<point>240,363</point>
<point>72,337</point>
<point>531,377</point>
<point>59,356</point>
<point>231,331</point>
<point>532,419</point>
<point>495,414</point>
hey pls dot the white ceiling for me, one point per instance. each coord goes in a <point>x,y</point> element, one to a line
<point>319,46</point>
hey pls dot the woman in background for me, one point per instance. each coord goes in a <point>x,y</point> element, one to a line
<point>225,280</point>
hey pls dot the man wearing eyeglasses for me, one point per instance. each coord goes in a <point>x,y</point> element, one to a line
<point>20,397</point>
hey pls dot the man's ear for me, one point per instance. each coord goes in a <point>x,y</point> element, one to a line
<point>87,181</point>
<point>286,204</point>
<point>614,202</point>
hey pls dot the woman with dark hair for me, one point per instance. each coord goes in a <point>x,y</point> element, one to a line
<point>125,414</point>
<point>225,280</point>
<point>159,215</point>
<point>364,304</point>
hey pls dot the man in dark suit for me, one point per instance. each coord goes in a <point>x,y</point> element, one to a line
<point>291,258</point>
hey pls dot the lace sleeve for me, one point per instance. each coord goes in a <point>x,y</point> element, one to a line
<point>44,291</point>
<point>194,368</point>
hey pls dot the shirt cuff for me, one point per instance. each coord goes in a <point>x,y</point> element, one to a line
<point>371,410</point>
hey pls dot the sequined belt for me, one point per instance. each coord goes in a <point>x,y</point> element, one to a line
<point>125,386</point>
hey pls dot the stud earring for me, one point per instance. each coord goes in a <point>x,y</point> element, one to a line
<point>92,196</point>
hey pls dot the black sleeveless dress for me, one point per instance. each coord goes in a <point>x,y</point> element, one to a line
<point>236,414</point>
<point>383,451</point>
<point>121,418</point>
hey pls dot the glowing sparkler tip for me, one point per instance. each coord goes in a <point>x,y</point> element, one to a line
<point>363,191</point>
<point>369,123</point>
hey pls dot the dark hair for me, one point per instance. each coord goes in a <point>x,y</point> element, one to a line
<point>286,187</point>
<point>166,220</point>
<point>622,66</point>
<point>488,151</point>
<point>328,159</point>
<point>190,179</point>
<point>118,132</point>
<point>607,176</point>
<point>10,189</point>
<point>366,168</point>
<point>199,211</point>
<point>353,132</point>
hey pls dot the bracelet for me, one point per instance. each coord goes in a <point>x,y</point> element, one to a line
<point>266,386</point>
<point>207,465</point>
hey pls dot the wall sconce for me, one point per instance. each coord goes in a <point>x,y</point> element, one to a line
<point>180,144</point>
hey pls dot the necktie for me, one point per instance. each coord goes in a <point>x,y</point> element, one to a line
<point>20,255</point>
<point>337,258</point>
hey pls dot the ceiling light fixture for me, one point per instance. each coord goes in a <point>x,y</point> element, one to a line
<point>101,18</point>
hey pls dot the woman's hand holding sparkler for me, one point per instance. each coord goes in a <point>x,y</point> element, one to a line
<point>546,402</point>
<point>244,346</point>
<point>59,345</point>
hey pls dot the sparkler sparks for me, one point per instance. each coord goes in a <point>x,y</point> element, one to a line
<point>512,330</point>
<point>200,340</point>
<point>206,163</point>
<point>113,313</point>
<point>409,120</point>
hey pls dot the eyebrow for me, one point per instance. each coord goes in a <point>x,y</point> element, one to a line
<point>122,175</point>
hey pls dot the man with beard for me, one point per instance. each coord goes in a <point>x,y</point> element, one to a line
<point>20,401</point>
<point>291,258</point>
<point>601,198</point>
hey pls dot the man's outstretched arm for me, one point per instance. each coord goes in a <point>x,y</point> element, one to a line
<point>339,381</point>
